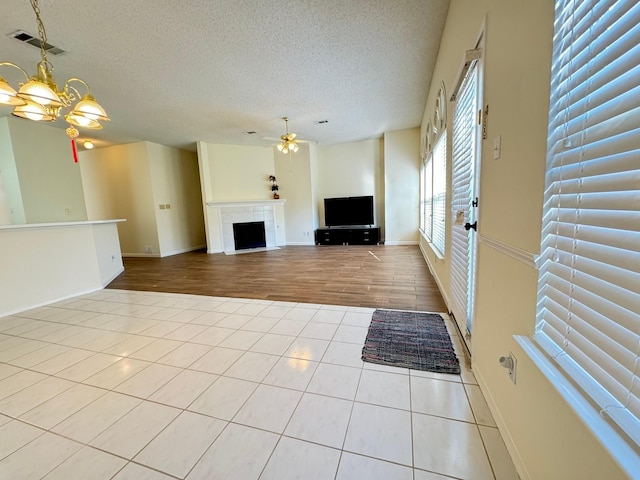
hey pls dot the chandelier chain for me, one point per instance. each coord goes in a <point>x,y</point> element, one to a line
<point>41,31</point>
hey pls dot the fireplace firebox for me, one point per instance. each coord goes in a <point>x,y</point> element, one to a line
<point>249,235</point>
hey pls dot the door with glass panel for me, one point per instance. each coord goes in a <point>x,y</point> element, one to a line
<point>464,193</point>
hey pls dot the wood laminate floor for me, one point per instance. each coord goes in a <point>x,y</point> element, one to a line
<point>366,276</point>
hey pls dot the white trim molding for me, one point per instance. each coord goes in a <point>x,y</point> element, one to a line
<point>518,463</point>
<point>516,253</point>
<point>247,203</point>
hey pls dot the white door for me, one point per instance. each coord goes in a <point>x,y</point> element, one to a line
<point>464,198</point>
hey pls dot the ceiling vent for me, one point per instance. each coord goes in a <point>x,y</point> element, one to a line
<point>25,37</point>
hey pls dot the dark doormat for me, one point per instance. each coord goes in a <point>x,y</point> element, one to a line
<point>414,340</point>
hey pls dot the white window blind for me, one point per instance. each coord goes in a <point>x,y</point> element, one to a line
<point>427,202</point>
<point>439,191</point>
<point>463,158</point>
<point>588,316</point>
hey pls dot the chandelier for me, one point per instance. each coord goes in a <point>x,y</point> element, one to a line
<point>40,98</point>
<point>288,143</point>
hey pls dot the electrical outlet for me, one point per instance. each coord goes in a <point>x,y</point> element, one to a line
<point>148,249</point>
<point>162,206</point>
<point>510,363</point>
<point>167,206</point>
<point>512,370</point>
<point>67,211</point>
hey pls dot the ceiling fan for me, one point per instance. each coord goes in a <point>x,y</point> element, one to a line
<point>287,143</point>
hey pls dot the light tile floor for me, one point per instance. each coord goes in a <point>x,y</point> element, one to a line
<point>128,385</point>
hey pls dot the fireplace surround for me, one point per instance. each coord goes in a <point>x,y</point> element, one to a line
<point>222,216</point>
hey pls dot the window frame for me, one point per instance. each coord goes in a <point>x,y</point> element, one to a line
<point>435,136</point>
<point>587,255</point>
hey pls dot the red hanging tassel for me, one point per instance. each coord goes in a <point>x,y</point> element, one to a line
<point>75,152</point>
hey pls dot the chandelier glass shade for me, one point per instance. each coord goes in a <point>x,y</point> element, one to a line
<point>288,140</point>
<point>40,99</point>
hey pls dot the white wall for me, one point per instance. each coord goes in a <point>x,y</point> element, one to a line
<point>41,181</point>
<point>117,183</point>
<point>544,436</point>
<point>10,182</point>
<point>44,264</point>
<point>176,182</point>
<point>351,169</point>
<point>5,210</point>
<point>50,182</point>
<point>401,186</point>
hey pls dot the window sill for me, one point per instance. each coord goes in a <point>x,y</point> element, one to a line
<point>435,251</point>
<point>622,453</point>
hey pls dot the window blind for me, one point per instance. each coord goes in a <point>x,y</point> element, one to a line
<point>463,154</point>
<point>439,205</point>
<point>428,198</point>
<point>588,316</point>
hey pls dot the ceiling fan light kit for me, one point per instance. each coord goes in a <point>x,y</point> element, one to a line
<point>289,142</point>
<point>41,100</point>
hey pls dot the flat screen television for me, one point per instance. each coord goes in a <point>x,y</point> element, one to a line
<point>348,211</point>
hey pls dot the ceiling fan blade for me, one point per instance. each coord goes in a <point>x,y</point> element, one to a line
<point>298,140</point>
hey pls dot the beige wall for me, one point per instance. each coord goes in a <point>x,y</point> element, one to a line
<point>131,181</point>
<point>117,183</point>
<point>176,182</point>
<point>351,169</point>
<point>50,186</point>
<point>238,172</point>
<point>401,186</point>
<point>544,436</point>
<point>234,172</point>
<point>293,173</point>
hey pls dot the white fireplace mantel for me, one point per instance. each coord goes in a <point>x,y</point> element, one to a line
<point>221,215</point>
<point>246,203</point>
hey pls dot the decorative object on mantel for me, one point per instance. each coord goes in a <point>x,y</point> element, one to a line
<point>274,187</point>
<point>40,98</point>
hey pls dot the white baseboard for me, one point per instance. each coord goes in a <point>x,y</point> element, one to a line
<point>113,277</point>
<point>401,242</point>
<point>166,254</point>
<point>502,426</point>
<point>435,277</point>
<point>217,250</point>
<point>49,302</point>
<point>310,243</point>
<point>182,250</point>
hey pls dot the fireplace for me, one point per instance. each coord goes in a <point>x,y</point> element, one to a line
<point>222,216</point>
<point>249,235</point>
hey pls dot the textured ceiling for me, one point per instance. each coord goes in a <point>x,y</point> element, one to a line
<point>175,72</point>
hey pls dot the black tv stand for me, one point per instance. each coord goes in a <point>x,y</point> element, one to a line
<point>356,235</point>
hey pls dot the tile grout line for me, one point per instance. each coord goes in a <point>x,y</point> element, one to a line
<point>262,382</point>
